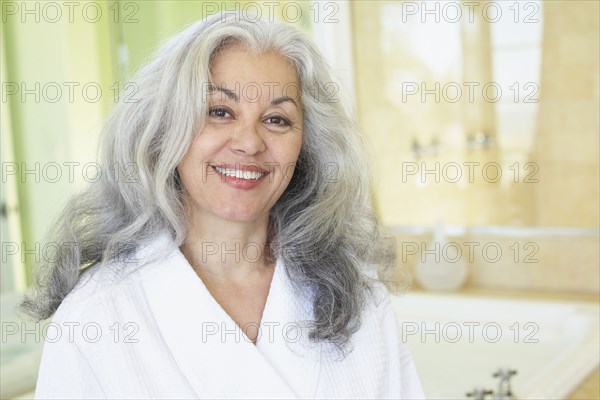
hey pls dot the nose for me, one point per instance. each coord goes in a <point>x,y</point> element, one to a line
<point>246,139</point>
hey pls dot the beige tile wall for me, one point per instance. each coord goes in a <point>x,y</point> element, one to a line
<point>564,145</point>
<point>563,264</point>
<point>567,142</point>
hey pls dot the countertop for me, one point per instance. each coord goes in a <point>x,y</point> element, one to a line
<point>522,294</point>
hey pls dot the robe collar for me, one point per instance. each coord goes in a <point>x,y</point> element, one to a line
<point>213,353</point>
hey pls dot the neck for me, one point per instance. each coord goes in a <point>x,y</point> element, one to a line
<point>227,249</point>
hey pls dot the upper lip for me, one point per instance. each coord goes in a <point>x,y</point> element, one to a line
<point>241,167</point>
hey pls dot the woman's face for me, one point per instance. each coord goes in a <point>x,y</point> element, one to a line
<point>240,163</point>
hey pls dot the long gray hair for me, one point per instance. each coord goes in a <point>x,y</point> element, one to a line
<point>323,228</point>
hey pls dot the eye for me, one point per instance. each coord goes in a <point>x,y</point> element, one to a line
<point>278,121</point>
<point>219,112</point>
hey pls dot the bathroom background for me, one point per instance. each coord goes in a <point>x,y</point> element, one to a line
<point>481,120</point>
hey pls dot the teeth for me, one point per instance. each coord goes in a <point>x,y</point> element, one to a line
<point>238,173</point>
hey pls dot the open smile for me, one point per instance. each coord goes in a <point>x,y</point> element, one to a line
<point>238,176</point>
<point>240,173</point>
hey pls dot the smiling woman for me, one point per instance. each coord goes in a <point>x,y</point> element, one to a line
<point>248,140</point>
<point>235,256</point>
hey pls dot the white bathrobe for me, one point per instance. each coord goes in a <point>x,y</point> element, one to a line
<point>158,333</point>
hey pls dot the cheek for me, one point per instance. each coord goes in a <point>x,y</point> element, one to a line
<point>289,149</point>
<point>193,168</point>
<point>189,166</point>
<point>288,161</point>
<point>187,175</point>
<point>198,154</point>
<point>208,141</point>
<point>287,172</point>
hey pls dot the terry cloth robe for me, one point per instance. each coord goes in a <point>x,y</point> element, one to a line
<point>156,332</point>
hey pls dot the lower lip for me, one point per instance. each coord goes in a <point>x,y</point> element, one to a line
<point>239,183</point>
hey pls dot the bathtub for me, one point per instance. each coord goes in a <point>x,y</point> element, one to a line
<point>458,342</point>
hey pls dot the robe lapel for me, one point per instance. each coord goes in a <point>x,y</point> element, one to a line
<point>214,355</point>
<point>286,345</point>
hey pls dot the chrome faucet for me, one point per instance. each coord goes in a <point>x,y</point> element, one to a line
<point>504,389</point>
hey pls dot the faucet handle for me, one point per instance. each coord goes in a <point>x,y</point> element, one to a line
<point>504,373</point>
<point>479,393</point>
<point>504,387</point>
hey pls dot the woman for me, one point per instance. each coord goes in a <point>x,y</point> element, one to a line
<point>243,260</point>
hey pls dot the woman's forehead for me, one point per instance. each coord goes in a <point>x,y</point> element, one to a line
<point>243,72</point>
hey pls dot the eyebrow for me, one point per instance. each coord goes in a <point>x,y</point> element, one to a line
<point>229,93</point>
<point>283,99</point>
<point>233,96</point>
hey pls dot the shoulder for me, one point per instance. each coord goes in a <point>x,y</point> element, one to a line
<point>378,296</point>
<point>110,283</point>
<point>379,323</point>
<point>94,288</point>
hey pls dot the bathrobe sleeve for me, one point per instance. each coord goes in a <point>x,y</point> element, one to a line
<point>411,384</point>
<point>402,371</point>
<point>115,349</point>
<point>402,379</point>
<point>65,372</point>
<point>379,366</point>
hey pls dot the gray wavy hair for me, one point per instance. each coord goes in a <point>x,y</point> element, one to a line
<point>323,228</point>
